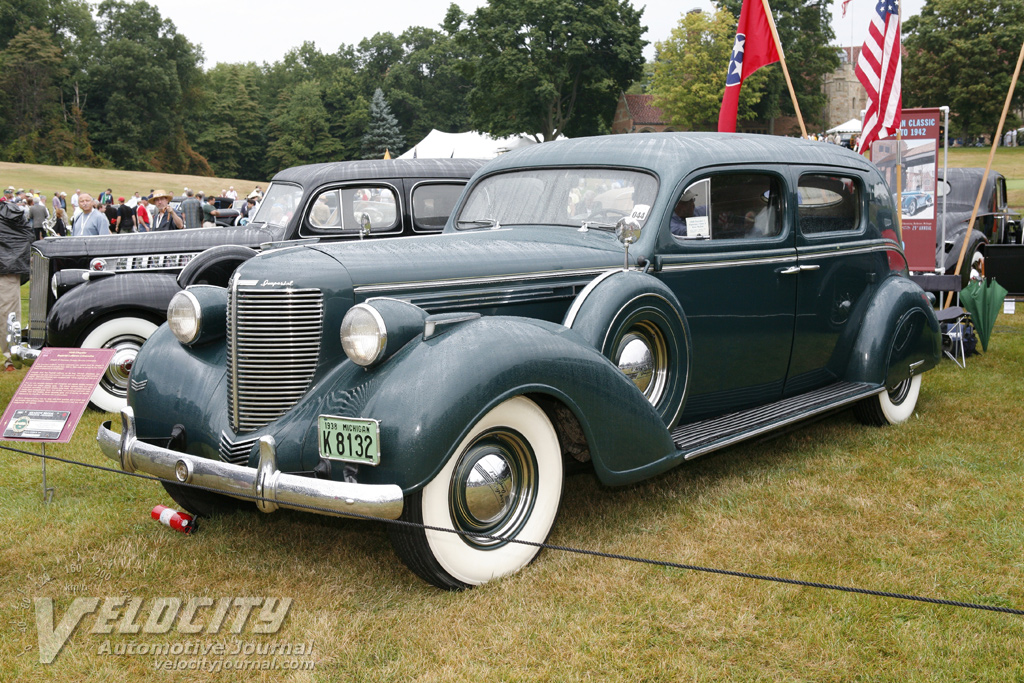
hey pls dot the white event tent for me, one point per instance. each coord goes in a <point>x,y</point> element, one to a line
<point>470,145</point>
<point>851,126</point>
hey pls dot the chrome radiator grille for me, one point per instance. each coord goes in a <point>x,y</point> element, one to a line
<point>39,294</point>
<point>273,340</point>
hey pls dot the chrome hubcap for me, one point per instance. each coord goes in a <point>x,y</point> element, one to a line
<point>115,379</point>
<point>642,355</point>
<point>493,489</point>
<point>637,361</point>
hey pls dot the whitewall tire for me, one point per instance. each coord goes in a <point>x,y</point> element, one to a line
<point>504,481</point>
<point>892,406</point>
<point>126,336</point>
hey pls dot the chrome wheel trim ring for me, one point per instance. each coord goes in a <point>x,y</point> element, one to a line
<point>647,365</point>
<point>126,349</point>
<point>898,394</point>
<point>493,488</point>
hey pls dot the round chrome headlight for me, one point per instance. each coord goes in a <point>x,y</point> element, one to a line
<point>363,335</point>
<point>184,317</point>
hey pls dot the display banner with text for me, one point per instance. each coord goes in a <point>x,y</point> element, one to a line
<point>54,394</point>
<point>919,159</point>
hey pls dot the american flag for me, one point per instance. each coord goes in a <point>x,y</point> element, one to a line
<point>879,69</point>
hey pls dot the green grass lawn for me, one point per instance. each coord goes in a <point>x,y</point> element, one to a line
<point>932,507</point>
<point>50,179</point>
<point>1008,160</point>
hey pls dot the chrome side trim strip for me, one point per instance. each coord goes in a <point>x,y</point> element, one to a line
<point>810,253</point>
<point>731,263</point>
<point>518,277</point>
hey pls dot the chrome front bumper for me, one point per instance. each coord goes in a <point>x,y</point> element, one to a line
<point>21,353</point>
<point>271,487</point>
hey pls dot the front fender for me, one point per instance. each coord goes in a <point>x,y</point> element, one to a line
<point>899,335</point>
<point>145,295</point>
<point>431,392</point>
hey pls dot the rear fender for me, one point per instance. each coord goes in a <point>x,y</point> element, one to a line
<point>143,295</point>
<point>899,335</point>
<point>429,394</point>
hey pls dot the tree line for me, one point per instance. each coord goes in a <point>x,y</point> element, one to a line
<point>117,85</point>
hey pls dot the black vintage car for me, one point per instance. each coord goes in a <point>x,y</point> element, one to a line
<point>995,223</point>
<point>112,291</point>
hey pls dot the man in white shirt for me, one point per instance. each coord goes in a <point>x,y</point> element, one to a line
<point>90,221</point>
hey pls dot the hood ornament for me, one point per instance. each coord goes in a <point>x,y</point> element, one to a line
<point>628,231</point>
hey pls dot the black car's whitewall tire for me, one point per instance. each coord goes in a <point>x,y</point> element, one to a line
<point>126,336</point>
<point>892,406</point>
<point>504,480</point>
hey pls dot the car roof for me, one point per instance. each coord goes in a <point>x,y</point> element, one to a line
<point>676,154</point>
<point>318,174</point>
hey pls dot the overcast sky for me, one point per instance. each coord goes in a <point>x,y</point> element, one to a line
<point>264,30</point>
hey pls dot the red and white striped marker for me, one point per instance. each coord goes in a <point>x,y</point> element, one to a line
<point>179,521</point>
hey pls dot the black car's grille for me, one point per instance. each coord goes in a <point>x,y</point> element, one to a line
<point>39,297</point>
<point>173,262</point>
<point>273,345</point>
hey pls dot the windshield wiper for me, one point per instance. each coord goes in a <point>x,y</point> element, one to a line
<point>483,222</point>
<point>595,224</point>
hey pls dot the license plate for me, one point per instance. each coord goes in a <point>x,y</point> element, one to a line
<point>349,439</point>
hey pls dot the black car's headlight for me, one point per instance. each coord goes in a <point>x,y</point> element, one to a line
<point>372,331</point>
<point>197,315</point>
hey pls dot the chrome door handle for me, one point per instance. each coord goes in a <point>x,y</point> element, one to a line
<point>789,271</point>
<point>812,267</point>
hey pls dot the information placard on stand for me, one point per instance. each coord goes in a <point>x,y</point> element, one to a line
<point>54,395</point>
<point>52,398</point>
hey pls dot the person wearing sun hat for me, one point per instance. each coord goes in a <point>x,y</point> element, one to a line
<point>163,216</point>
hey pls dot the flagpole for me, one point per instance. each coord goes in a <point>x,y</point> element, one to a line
<point>785,70</point>
<point>899,134</point>
<point>988,167</point>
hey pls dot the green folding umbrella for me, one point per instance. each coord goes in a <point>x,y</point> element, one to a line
<point>983,299</point>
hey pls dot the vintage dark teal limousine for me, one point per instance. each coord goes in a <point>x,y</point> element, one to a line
<point>631,302</point>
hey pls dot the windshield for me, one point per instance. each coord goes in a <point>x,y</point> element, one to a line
<point>597,197</point>
<point>279,205</point>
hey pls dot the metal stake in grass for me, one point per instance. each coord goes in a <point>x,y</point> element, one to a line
<point>47,490</point>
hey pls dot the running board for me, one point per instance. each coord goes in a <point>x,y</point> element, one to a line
<point>699,438</point>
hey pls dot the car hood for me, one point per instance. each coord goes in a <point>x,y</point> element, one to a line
<point>476,254</point>
<point>163,242</point>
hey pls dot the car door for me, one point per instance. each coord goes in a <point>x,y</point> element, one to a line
<point>838,261</point>
<point>732,262</point>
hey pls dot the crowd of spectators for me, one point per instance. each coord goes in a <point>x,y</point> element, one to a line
<point>81,214</point>
<point>848,141</point>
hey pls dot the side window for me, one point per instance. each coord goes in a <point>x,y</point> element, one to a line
<point>432,204</point>
<point>378,204</point>
<point>326,211</point>
<point>730,206</point>
<point>342,210</point>
<point>828,203</point>
<point>882,211</point>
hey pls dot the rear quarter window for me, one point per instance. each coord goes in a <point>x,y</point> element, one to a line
<point>828,204</point>
<point>432,204</point>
